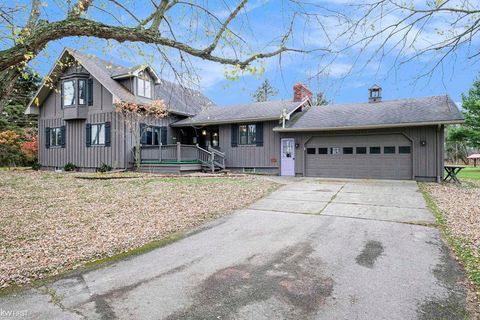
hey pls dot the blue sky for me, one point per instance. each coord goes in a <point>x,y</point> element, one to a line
<point>265,21</point>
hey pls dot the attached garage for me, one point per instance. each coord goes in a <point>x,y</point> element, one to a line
<point>385,156</point>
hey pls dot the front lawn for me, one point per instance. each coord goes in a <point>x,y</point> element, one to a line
<point>53,222</point>
<point>470,173</point>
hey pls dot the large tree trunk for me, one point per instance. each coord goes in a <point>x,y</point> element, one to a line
<point>7,84</point>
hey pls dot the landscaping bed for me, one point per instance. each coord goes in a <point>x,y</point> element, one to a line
<point>54,222</point>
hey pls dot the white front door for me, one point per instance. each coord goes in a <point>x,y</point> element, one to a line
<point>287,162</point>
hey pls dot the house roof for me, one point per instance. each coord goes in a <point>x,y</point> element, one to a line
<point>474,156</point>
<point>257,111</point>
<point>393,113</point>
<point>179,100</point>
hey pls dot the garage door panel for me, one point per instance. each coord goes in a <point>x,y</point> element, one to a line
<point>376,166</point>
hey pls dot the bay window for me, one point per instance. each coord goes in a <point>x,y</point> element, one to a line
<point>68,93</point>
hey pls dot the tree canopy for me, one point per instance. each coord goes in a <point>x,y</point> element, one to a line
<point>264,92</point>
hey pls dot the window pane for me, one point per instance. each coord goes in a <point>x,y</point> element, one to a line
<point>322,150</point>
<point>375,150</point>
<point>310,150</point>
<point>82,92</point>
<point>361,150</point>
<point>242,134</point>
<point>334,150</point>
<point>101,133</point>
<point>404,149</point>
<point>348,150</point>
<point>388,150</point>
<point>98,134</point>
<point>252,134</point>
<point>156,136</point>
<point>94,134</point>
<point>55,137</point>
<point>141,87</point>
<point>69,93</point>
<point>148,89</point>
<point>149,135</point>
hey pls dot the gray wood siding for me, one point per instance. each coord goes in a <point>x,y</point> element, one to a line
<point>118,155</point>
<point>76,151</point>
<point>427,160</point>
<point>251,156</point>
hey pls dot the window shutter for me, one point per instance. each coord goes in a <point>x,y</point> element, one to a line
<point>64,138</point>
<point>61,95</point>
<point>234,130</point>
<point>163,135</point>
<point>143,136</point>
<point>88,134</point>
<point>107,134</point>
<point>259,134</point>
<point>47,137</point>
<point>90,92</point>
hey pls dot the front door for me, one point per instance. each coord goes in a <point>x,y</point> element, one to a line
<point>288,157</point>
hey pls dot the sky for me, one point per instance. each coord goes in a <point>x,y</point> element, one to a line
<point>343,77</point>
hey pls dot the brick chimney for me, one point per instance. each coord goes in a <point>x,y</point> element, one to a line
<point>300,92</point>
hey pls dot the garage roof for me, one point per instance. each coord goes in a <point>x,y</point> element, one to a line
<point>257,111</point>
<point>393,113</point>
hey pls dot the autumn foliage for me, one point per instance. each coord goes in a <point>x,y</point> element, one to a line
<point>18,149</point>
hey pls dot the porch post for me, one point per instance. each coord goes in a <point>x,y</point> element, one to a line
<point>160,152</point>
<point>179,152</point>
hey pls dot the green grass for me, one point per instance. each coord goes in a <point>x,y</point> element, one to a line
<point>470,173</point>
<point>462,250</point>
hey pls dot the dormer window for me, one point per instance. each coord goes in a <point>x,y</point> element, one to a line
<point>144,85</point>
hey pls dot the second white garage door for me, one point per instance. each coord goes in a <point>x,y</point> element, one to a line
<point>359,156</point>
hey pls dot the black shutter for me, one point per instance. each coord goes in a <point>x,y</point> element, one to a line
<point>88,134</point>
<point>163,135</point>
<point>47,137</point>
<point>107,134</point>
<point>259,134</point>
<point>61,95</point>
<point>143,135</point>
<point>90,92</point>
<point>234,129</point>
<point>64,137</point>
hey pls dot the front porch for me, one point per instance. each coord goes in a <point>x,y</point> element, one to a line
<point>179,158</point>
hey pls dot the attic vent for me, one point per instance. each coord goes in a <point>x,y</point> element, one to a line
<point>374,94</point>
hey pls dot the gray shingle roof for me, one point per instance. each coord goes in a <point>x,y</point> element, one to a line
<point>179,99</point>
<point>426,110</point>
<point>269,110</point>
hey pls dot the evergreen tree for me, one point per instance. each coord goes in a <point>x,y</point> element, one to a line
<point>264,92</point>
<point>471,104</point>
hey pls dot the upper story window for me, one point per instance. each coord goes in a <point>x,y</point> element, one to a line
<point>144,85</point>
<point>77,92</point>
<point>68,93</point>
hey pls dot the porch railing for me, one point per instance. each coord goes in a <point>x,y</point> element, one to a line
<point>178,152</point>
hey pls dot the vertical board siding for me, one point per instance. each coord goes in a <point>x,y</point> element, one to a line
<point>251,156</point>
<point>427,160</point>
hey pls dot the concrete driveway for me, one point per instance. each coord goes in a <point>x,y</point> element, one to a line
<point>314,249</point>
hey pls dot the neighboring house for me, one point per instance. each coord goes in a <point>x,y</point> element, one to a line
<point>398,139</point>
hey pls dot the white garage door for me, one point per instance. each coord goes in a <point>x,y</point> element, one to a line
<point>359,156</point>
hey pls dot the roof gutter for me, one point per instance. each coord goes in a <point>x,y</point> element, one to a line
<point>207,123</point>
<point>374,126</point>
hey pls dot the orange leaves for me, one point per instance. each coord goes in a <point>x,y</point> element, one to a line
<point>9,138</point>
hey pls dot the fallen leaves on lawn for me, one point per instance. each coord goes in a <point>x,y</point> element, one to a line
<point>52,222</point>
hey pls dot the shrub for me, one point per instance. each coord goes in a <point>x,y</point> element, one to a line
<point>104,168</point>
<point>30,148</point>
<point>69,167</point>
<point>36,166</point>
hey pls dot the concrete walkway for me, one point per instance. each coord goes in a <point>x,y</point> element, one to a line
<point>314,249</point>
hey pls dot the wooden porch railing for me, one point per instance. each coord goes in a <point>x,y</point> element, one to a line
<point>183,152</point>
